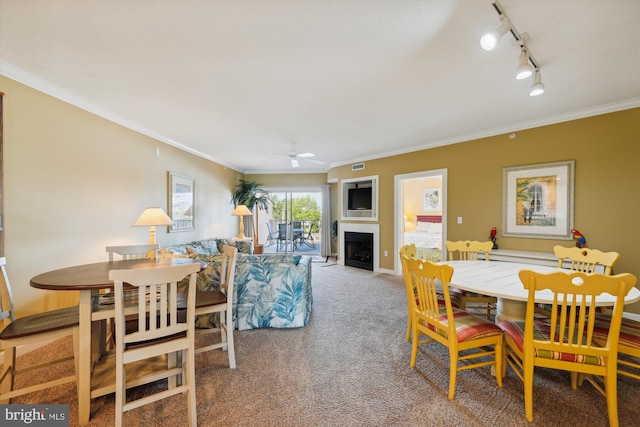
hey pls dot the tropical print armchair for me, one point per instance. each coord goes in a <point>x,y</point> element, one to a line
<point>271,290</point>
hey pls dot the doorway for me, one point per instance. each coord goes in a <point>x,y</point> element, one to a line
<point>293,223</point>
<point>421,214</point>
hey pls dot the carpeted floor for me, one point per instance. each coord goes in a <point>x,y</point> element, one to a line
<point>350,367</point>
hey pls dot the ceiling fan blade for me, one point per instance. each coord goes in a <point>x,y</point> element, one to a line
<point>306,155</point>
<point>318,162</point>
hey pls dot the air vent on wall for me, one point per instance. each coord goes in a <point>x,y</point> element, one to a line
<point>357,167</point>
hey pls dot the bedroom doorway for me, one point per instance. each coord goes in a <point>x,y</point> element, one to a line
<point>420,214</point>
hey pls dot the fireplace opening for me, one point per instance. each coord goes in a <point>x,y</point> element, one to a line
<point>358,250</point>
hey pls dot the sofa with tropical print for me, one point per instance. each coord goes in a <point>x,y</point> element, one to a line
<point>271,290</point>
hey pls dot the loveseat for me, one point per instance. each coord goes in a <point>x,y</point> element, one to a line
<point>271,290</point>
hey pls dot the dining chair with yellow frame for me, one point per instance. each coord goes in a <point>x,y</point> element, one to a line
<point>572,346</point>
<point>454,295</point>
<point>469,250</point>
<point>471,339</point>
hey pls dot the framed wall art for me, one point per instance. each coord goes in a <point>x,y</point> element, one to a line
<point>432,200</point>
<point>537,200</point>
<point>181,202</point>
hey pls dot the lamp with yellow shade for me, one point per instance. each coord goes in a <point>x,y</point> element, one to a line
<point>241,211</point>
<point>150,218</point>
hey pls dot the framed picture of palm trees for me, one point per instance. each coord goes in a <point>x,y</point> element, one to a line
<point>537,200</point>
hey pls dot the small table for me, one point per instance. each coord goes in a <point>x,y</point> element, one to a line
<point>89,279</point>
<point>500,279</point>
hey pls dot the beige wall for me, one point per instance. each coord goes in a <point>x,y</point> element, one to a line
<point>289,180</point>
<point>412,190</point>
<point>74,183</point>
<point>606,150</point>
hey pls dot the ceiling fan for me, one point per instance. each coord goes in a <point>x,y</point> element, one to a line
<point>296,157</point>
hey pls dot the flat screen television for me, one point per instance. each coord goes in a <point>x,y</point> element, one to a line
<point>359,199</point>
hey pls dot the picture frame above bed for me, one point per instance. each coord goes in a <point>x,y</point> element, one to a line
<point>432,200</point>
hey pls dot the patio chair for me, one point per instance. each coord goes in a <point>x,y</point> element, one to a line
<point>272,237</point>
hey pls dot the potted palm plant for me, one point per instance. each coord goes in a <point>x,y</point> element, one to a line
<point>253,196</point>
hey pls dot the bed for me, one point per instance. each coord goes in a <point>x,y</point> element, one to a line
<point>428,232</point>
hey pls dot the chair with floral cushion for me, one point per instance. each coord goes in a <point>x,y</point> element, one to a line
<point>572,345</point>
<point>468,250</point>
<point>470,339</point>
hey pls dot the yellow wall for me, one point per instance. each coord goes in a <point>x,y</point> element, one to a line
<point>74,183</point>
<point>606,150</point>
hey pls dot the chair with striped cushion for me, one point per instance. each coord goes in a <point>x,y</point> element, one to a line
<point>581,259</point>
<point>628,343</point>
<point>468,250</point>
<point>455,295</point>
<point>572,346</point>
<point>586,260</point>
<point>456,329</point>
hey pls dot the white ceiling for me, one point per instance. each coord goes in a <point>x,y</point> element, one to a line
<point>237,81</point>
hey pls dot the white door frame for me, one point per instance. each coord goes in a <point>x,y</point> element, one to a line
<point>399,215</point>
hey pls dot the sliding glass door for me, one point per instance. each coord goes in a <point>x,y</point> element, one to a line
<point>292,225</point>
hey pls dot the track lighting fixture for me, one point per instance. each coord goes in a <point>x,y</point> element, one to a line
<point>527,65</point>
<point>537,88</point>
<point>490,40</point>
<point>524,69</point>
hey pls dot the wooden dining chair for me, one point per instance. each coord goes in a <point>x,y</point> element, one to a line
<point>133,251</point>
<point>471,339</point>
<point>572,346</point>
<point>161,343</point>
<point>125,252</point>
<point>455,295</point>
<point>33,330</point>
<point>586,260</point>
<point>581,259</point>
<point>469,250</point>
<point>221,302</point>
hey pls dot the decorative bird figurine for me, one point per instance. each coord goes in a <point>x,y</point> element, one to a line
<point>581,241</point>
<point>492,237</point>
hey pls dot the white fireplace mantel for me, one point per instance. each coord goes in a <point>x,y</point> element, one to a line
<point>360,228</point>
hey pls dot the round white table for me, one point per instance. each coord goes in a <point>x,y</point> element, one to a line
<point>500,279</point>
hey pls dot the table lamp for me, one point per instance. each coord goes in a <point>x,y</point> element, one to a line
<point>241,211</point>
<point>150,218</point>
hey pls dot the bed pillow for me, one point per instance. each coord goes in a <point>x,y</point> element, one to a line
<point>424,227</point>
<point>436,228</point>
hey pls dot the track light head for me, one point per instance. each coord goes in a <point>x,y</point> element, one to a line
<point>537,88</point>
<point>490,40</point>
<point>524,69</point>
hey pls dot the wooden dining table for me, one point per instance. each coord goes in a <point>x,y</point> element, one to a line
<point>500,279</point>
<point>90,280</point>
